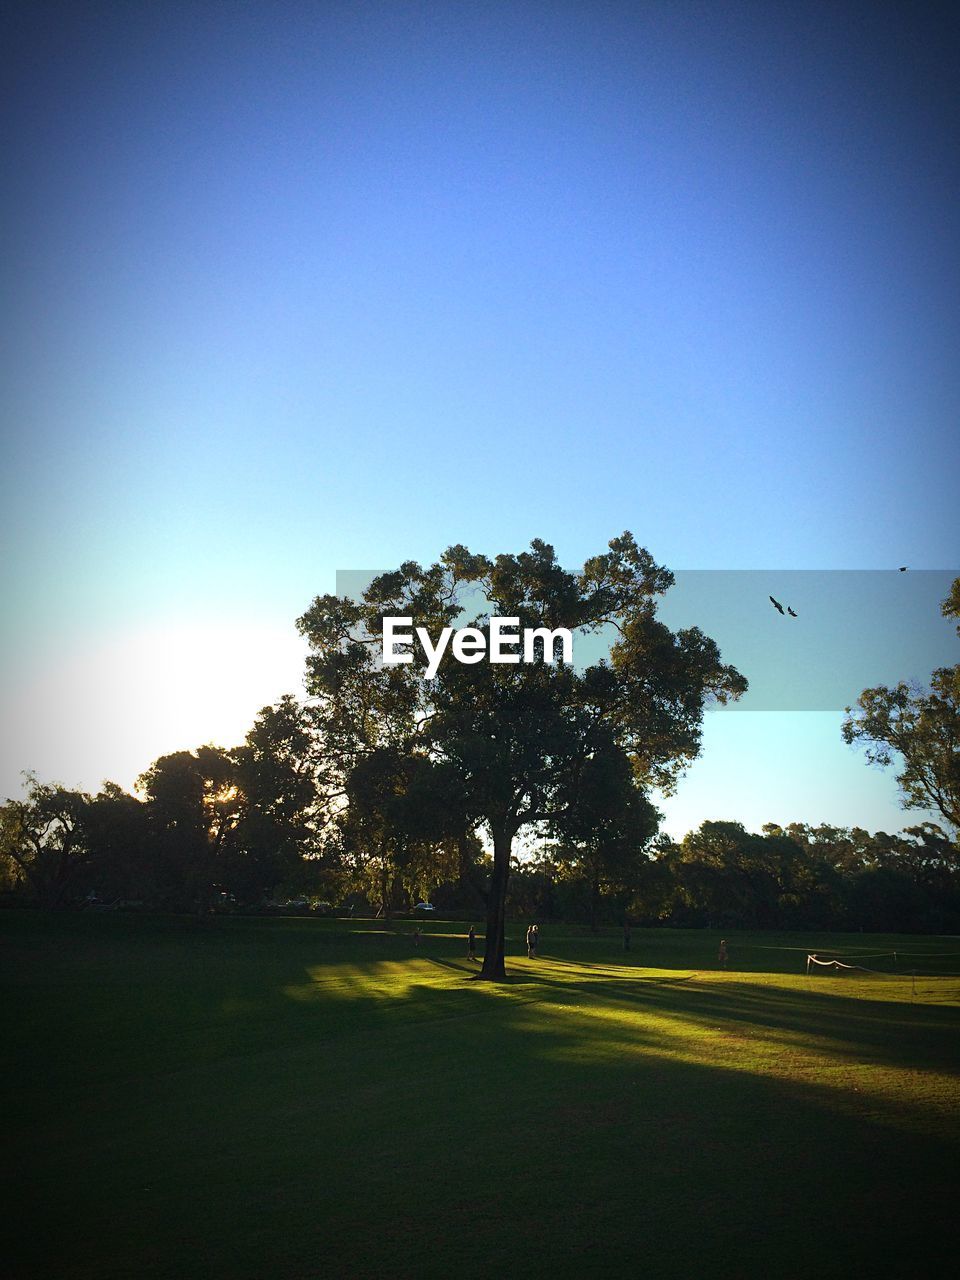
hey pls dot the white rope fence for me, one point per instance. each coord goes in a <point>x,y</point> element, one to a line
<point>814,962</point>
<point>836,965</point>
<point>839,964</point>
<point>851,962</point>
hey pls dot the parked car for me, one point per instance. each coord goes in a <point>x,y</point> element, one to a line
<point>424,906</point>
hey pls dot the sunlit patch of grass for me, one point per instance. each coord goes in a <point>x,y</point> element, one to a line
<point>589,1012</point>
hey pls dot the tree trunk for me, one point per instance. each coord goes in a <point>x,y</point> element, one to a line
<point>493,969</point>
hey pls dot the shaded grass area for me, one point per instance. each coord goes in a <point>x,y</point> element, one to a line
<point>295,1098</point>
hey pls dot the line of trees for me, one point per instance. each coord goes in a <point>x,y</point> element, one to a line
<point>387,785</point>
<point>197,841</point>
<point>206,823</point>
<point>794,877</point>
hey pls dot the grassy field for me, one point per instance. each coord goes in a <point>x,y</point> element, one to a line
<point>293,1098</point>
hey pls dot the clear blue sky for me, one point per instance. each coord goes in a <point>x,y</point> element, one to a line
<point>294,288</point>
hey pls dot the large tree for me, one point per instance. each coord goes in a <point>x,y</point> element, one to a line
<point>922,727</point>
<point>519,738</point>
<point>42,837</point>
<point>278,776</point>
<point>116,834</point>
<point>193,806</point>
<point>237,820</point>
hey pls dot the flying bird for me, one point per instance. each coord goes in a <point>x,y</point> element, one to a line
<point>903,568</point>
<point>790,611</point>
<point>776,604</point>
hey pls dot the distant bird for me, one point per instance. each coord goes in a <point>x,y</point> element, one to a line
<point>903,568</point>
<point>790,611</point>
<point>776,604</point>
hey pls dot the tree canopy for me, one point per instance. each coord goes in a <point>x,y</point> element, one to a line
<point>922,728</point>
<point>524,742</point>
<point>42,836</point>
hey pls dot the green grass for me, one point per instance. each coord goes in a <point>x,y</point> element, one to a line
<point>287,1098</point>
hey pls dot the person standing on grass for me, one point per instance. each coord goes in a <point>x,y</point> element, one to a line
<point>531,942</point>
<point>536,941</point>
<point>722,956</point>
<point>472,944</point>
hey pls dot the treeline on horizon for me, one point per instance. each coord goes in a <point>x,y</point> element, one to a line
<point>373,792</point>
<point>232,831</point>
